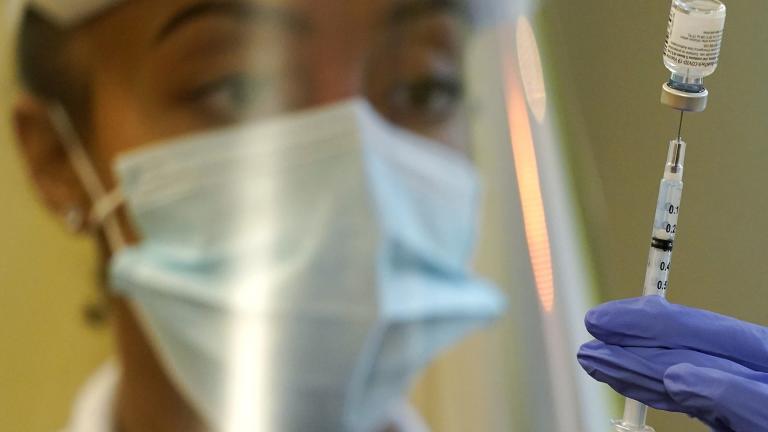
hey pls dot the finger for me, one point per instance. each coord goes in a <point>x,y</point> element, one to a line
<point>627,373</point>
<point>721,429</point>
<point>718,398</point>
<point>653,322</point>
<point>638,372</point>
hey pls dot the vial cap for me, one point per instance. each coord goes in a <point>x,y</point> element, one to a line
<point>682,100</point>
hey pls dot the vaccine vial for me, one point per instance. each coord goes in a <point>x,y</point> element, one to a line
<point>692,46</point>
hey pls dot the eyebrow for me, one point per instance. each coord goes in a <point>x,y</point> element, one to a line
<point>240,10</point>
<point>406,11</point>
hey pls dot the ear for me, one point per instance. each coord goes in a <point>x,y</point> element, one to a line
<point>47,162</point>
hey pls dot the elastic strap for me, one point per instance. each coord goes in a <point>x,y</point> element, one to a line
<point>104,205</point>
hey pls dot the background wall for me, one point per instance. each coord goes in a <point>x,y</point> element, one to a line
<point>607,58</point>
<point>46,278</point>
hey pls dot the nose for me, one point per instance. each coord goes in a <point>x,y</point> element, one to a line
<point>335,75</point>
<point>336,53</point>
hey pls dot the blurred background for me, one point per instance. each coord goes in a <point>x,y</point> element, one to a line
<point>602,62</point>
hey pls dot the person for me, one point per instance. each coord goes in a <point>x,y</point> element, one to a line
<point>280,191</point>
<point>681,359</point>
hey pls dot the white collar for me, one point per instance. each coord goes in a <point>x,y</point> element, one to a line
<point>404,418</point>
<point>93,410</point>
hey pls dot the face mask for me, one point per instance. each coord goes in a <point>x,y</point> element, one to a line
<point>295,274</point>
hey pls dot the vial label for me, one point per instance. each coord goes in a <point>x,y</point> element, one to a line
<point>693,41</point>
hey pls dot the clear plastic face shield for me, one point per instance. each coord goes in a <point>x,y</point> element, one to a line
<point>337,215</point>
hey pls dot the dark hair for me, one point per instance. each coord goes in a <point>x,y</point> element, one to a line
<point>45,66</point>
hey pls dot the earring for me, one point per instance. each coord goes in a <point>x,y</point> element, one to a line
<point>74,219</point>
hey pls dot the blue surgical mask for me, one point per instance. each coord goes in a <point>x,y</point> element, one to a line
<point>297,273</point>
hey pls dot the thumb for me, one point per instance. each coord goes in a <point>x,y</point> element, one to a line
<point>719,399</point>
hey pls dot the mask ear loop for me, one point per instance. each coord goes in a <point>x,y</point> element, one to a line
<point>104,205</point>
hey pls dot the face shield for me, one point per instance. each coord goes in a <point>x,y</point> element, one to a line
<point>336,215</point>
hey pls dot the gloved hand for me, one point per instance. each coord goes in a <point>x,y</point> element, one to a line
<point>676,358</point>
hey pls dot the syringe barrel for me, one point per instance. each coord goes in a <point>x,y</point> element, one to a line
<point>634,418</point>
<point>634,413</point>
<point>659,260</point>
<point>665,222</point>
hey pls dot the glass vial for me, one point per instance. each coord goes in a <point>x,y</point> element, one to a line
<point>692,46</point>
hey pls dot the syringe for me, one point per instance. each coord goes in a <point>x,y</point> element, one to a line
<point>659,259</point>
<point>691,51</point>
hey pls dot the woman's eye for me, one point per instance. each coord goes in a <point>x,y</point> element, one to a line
<point>427,101</point>
<point>232,97</point>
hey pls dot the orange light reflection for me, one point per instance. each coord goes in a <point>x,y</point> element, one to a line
<point>529,185</point>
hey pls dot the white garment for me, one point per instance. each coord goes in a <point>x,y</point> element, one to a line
<point>93,409</point>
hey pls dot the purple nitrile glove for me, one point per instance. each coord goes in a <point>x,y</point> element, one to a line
<point>676,358</point>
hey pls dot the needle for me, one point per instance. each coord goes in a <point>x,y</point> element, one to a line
<point>680,127</point>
